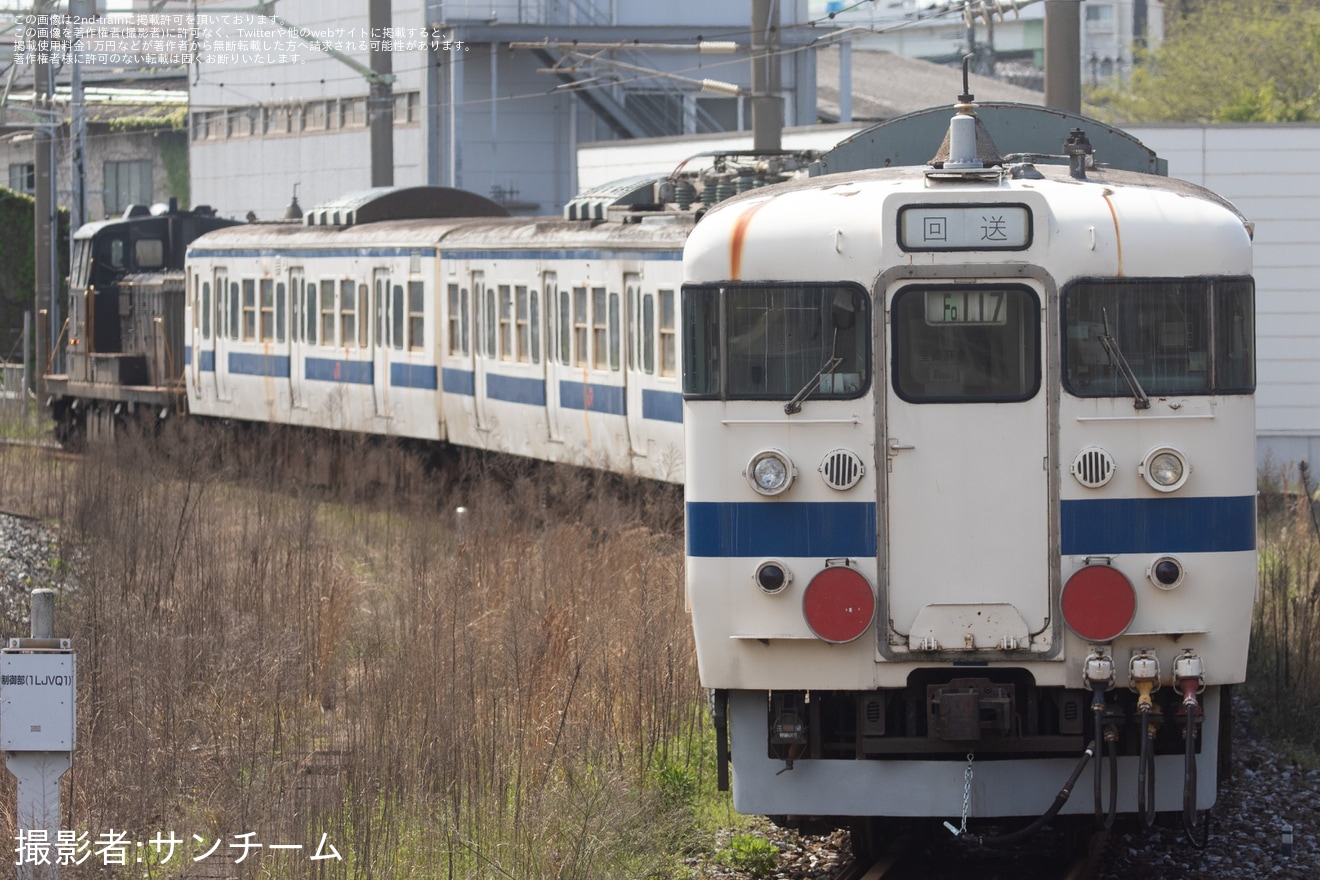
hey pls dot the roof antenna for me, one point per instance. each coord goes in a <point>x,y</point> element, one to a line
<point>966,97</point>
<point>963,154</point>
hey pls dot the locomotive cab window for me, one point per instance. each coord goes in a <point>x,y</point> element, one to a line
<point>1177,335</point>
<point>966,344</point>
<point>775,341</point>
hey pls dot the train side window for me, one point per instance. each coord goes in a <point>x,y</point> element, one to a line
<point>648,333</point>
<point>149,253</point>
<point>506,323</point>
<point>235,310</point>
<point>581,328</point>
<point>249,309</point>
<point>478,307</point>
<point>632,313</point>
<point>267,309</point>
<point>616,334</point>
<point>958,344</point>
<point>454,320</point>
<point>206,310</point>
<point>380,293</point>
<point>534,322</point>
<point>397,315</point>
<point>565,328</point>
<point>668,335</point>
<point>416,315</point>
<point>599,329</point>
<point>488,319</point>
<point>522,322</point>
<point>363,291</point>
<point>281,311</point>
<point>111,251</point>
<point>310,313</point>
<point>297,307</point>
<point>551,288</point>
<point>324,312</point>
<point>348,311</point>
<point>221,301</point>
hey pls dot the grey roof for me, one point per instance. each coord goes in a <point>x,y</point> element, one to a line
<point>885,85</point>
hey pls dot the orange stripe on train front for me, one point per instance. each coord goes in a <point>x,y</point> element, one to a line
<point>736,240</point>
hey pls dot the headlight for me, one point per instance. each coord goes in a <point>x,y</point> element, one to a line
<point>770,472</point>
<point>1165,469</point>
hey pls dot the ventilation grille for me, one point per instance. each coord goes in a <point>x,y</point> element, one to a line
<point>842,469</point>
<point>1093,467</point>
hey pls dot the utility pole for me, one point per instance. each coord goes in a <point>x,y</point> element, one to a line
<point>767,105</point>
<point>46,216</point>
<point>380,103</point>
<point>80,12</point>
<point>1063,55</point>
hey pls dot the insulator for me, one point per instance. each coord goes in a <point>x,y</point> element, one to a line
<point>708,193</point>
<point>725,189</point>
<point>745,182</point>
<point>685,194</point>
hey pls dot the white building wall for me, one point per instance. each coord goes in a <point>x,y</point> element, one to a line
<point>237,173</point>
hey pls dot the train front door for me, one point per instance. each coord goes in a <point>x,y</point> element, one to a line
<point>965,443</point>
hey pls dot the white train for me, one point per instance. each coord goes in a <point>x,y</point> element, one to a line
<point>552,339</point>
<point>970,482</point>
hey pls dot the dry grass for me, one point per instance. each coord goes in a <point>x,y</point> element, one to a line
<point>256,655</point>
<point>1283,677</point>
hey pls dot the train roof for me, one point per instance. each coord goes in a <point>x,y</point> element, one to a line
<point>1024,171</point>
<point>657,231</point>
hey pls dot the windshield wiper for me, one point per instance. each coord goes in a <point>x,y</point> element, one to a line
<point>1116,360</point>
<point>795,405</point>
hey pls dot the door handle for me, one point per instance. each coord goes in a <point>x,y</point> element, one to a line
<point>895,447</point>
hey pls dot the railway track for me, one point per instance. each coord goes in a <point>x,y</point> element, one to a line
<point>1069,854</point>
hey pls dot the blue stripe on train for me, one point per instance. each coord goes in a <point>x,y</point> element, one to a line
<point>1157,525</point>
<point>245,364</point>
<point>590,396</point>
<point>781,528</point>
<point>515,389</point>
<point>458,382</point>
<point>662,406</point>
<point>413,376</point>
<point>1090,527</point>
<point>339,370</point>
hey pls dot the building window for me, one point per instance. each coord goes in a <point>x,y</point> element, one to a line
<point>407,108</point>
<point>23,178</point>
<point>127,183</point>
<point>658,113</point>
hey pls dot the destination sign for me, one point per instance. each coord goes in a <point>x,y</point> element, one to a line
<point>964,227</point>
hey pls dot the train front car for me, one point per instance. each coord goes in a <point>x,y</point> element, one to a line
<point>971,484</point>
<point>124,350</point>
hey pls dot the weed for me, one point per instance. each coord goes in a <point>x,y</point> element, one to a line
<point>751,853</point>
